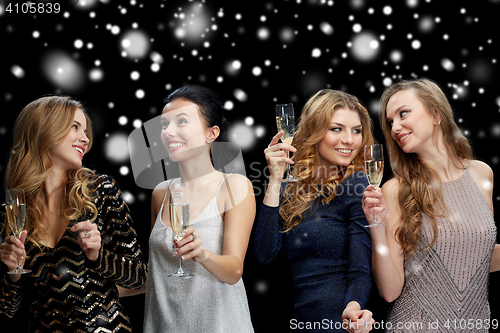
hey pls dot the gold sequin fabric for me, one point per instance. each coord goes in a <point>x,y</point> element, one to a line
<point>69,293</point>
<point>446,287</point>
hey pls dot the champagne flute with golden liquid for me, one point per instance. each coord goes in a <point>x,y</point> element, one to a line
<point>179,220</point>
<point>374,170</point>
<point>16,216</point>
<point>285,121</point>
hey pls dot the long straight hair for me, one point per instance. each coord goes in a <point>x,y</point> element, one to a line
<point>420,186</point>
<point>42,124</point>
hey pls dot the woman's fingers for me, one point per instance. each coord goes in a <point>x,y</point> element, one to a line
<point>276,138</point>
<point>280,147</point>
<point>190,246</point>
<point>186,237</point>
<point>89,238</point>
<point>12,251</point>
<point>191,249</point>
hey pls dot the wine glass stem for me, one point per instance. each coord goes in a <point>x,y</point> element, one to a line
<point>19,265</point>
<point>376,219</point>
<point>180,270</point>
<point>288,165</point>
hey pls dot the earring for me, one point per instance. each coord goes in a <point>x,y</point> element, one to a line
<point>208,141</point>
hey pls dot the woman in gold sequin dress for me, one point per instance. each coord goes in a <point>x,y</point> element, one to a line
<point>434,258</point>
<point>79,241</point>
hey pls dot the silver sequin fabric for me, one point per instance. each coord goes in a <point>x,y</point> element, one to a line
<point>446,287</point>
<point>198,304</point>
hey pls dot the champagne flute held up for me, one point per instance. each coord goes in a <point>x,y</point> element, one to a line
<point>374,170</point>
<point>285,121</point>
<point>16,216</point>
<point>179,220</point>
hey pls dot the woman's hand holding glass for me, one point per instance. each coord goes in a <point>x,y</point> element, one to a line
<point>277,156</point>
<point>13,253</point>
<point>374,205</point>
<point>190,246</point>
<point>89,238</point>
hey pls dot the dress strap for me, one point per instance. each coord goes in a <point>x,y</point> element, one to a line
<point>222,183</point>
<point>165,195</point>
<point>228,189</point>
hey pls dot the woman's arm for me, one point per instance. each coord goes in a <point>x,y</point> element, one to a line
<point>267,234</point>
<point>387,254</point>
<point>483,177</point>
<point>359,257</point>
<point>156,202</point>
<point>11,285</point>
<point>238,222</point>
<point>277,162</point>
<point>359,242</point>
<point>10,294</point>
<point>120,258</point>
<point>495,259</point>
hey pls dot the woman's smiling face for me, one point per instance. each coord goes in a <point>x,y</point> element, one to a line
<point>68,154</point>
<point>412,126</point>
<point>182,129</point>
<point>342,141</point>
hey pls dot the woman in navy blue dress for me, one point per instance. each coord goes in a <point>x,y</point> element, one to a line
<point>318,222</point>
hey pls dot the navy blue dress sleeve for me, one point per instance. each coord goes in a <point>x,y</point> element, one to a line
<point>267,234</point>
<point>360,245</point>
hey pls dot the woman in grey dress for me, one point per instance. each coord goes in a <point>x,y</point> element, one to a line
<point>222,210</point>
<point>221,213</point>
<point>435,255</point>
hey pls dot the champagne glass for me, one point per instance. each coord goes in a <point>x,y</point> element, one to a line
<point>179,220</point>
<point>374,170</point>
<point>285,121</point>
<point>16,214</point>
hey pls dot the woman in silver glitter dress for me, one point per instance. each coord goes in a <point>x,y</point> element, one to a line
<point>433,259</point>
<point>221,212</point>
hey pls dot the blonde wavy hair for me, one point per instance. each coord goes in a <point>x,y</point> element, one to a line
<point>42,124</point>
<point>420,186</point>
<point>314,124</point>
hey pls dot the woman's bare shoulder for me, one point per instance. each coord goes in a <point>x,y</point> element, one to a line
<point>479,169</point>
<point>391,186</point>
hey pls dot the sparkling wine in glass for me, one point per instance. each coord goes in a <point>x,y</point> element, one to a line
<point>374,170</point>
<point>285,121</point>
<point>179,220</point>
<point>16,215</point>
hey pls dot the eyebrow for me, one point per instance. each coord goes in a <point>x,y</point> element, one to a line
<point>177,116</point>
<point>342,125</point>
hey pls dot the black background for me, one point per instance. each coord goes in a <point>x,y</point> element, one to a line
<point>463,33</point>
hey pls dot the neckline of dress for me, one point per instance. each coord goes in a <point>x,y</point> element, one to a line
<point>458,179</point>
<point>193,220</point>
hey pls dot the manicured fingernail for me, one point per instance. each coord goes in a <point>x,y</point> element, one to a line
<point>183,234</point>
<point>175,253</point>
